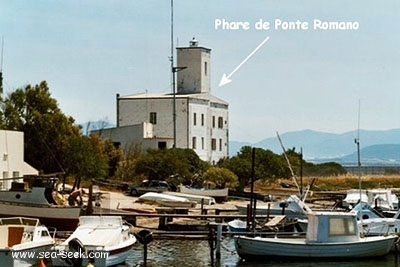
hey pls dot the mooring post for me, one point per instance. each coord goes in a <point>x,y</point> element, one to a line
<point>219,236</point>
<point>211,240</point>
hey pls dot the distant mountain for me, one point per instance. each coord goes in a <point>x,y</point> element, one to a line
<point>321,146</point>
<point>95,125</point>
<point>387,154</point>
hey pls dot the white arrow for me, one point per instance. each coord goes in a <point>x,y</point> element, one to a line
<point>226,79</point>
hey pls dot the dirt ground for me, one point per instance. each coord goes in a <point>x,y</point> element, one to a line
<point>118,201</point>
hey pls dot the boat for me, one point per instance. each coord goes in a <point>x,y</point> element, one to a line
<point>353,197</point>
<point>38,202</point>
<point>197,198</point>
<point>167,200</point>
<point>20,236</point>
<point>382,198</point>
<point>372,222</point>
<point>292,207</point>
<point>219,194</point>
<point>105,240</point>
<point>330,235</point>
<point>237,226</point>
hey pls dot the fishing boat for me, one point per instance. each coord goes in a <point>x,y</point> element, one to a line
<point>38,202</point>
<point>330,235</point>
<point>20,237</point>
<point>103,240</point>
<point>167,200</point>
<point>292,207</point>
<point>218,194</point>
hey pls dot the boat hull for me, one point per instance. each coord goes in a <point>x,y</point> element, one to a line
<point>7,259</point>
<point>63,218</point>
<point>108,257</point>
<point>218,194</point>
<point>292,248</point>
<point>105,239</point>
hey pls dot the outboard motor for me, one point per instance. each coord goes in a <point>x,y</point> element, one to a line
<point>76,245</point>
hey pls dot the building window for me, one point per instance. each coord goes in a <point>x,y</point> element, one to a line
<point>220,122</point>
<point>205,68</point>
<point>194,119</point>
<point>213,121</point>
<point>202,119</point>
<point>162,145</point>
<point>153,117</point>
<point>220,144</point>
<point>213,144</point>
<point>202,143</point>
<point>194,142</point>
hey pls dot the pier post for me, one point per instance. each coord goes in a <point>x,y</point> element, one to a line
<point>211,242</point>
<point>219,236</point>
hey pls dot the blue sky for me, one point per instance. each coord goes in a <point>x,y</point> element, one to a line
<point>88,51</point>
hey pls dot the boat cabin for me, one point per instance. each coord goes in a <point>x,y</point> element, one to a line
<point>18,230</point>
<point>325,227</point>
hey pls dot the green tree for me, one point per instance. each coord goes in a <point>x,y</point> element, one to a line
<point>222,177</point>
<point>267,165</point>
<point>33,111</point>
<point>126,166</point>
<point>85,159</point>
<point>52,142</point>
<point>114,155</point>
<point>175,165</point>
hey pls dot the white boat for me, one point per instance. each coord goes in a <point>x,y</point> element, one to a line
<point>292,207</point>
<point>372,223</point>
<point>237,226</point>
<point>206,200</point>
<point>105,239</point>
<point>382,198</point>
<point>167,200</point>
<point>218,194</point>
<point>353,197</point>
<point>37,202</point>
<point>330,235</point>
<point>20,236</point>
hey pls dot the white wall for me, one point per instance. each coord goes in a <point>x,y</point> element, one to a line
<point>12,158</point>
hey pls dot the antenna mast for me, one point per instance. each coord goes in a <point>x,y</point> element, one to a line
<point>173,70</point>
<point>1,66</point>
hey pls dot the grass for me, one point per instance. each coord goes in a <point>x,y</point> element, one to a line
<point>336,183</point>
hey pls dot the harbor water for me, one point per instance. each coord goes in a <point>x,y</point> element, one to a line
<point>182,253</point>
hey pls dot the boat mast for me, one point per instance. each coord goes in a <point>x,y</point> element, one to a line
<point>357,141</point>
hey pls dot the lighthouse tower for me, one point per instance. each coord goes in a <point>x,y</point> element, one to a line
<point>196,77</point>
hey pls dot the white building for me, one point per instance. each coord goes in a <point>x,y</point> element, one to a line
<point>201,119</point>
<point>12,164</point>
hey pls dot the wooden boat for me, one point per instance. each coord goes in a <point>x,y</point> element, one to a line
<point>167,200</point>
<point>37,202</point>
<point>292,207</point>
<point>330,235</point>
<point>20,236</point>
<point>106,240</point>
<point>218,194</point>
